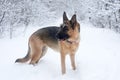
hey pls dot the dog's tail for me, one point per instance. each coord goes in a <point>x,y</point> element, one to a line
<point>24,59</point>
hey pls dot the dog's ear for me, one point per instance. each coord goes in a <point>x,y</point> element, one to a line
<point>73,20</point>
<point>65,17</point>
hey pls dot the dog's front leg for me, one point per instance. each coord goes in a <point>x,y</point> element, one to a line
<point>63,63</point>
<point>72,57</point>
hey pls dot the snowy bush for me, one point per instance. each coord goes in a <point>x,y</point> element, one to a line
<point>107,15</point>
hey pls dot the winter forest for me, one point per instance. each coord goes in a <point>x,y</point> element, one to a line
<point>97,57</point>
<point>20,14</point>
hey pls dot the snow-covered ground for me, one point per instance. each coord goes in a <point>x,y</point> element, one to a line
<point>98,58</point>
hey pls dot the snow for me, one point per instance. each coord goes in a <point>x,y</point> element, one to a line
<point>97,58</point>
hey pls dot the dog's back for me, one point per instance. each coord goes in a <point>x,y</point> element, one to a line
<point>48,36</point>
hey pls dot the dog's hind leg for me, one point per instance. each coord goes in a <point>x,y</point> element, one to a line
<point>44,50</point>
<point>35,56</point>
<point>36,46</point>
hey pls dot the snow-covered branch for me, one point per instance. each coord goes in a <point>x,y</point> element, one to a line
<point>113,4</point>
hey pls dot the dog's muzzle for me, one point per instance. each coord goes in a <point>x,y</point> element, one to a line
<point>62,36</point>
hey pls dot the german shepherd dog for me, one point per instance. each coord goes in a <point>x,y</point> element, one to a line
<point>64,39</point>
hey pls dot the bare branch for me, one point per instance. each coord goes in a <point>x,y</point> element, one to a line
<point>2,18</point>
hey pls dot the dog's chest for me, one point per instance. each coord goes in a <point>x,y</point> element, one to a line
<point>69,47</point>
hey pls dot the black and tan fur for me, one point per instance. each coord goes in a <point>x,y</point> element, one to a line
<point>64,39</point>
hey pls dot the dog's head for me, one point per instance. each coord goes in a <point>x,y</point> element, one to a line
<point>69,29</point>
